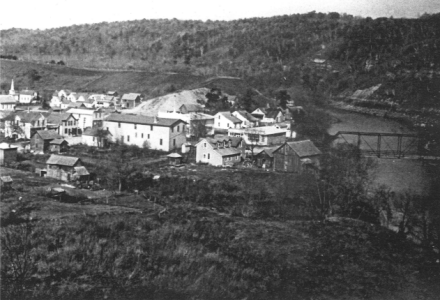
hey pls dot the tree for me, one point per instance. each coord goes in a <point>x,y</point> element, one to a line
<point>198,128</point>
<point>283,97</point>
<point>247,101</point>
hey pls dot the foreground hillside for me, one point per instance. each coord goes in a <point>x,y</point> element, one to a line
<point>400,54</point>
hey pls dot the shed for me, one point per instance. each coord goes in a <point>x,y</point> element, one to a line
<point>81,174</point>
<point>58,146</point>
<point>296,157</point>
<point>174,159</point>
<point>6,182</point>
<point>8,154</point>
<point>62,167</point>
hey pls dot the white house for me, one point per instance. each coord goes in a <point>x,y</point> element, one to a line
<point>260,136</point>
<point>55,101</point>
<point>225,120</point>
<point>96,137</point>
<point>153,132</point>
<point>7,102</point>
<point>218,151</point>
<point>24,123</point>
<point>85,117</point>
<point>273,116</point>
<point>192,121</point>
<point>65,124</point>
<point>130,100</point>
<point>81,97</point>
<point>63,94</point>
<point>26,96</point>
<point>72,97</point>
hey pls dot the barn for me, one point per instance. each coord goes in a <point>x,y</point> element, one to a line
<point>296,157</point>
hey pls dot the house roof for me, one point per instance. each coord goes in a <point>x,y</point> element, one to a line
<point>192,107</point>
<point>304,148</point>
<point>95,131</point>
<point>228,151</point>
<point>27,92</point>
<point>81,171</point>
<point>7,99</point>
<point>130,96</point>
<point>247,116</point>
<point>31,116</point>
<point>81,111</point>
<point>57,118</point>
<point>236,140</point>
<point>6,178</point>
<point>62,160</point>
<point>48,134</point>
<point>272,113</point>
<point>85,95</point>
<point>142,120</point>
<point>261,109</point>
<point>230,117</point>
<point>268,151</point>
<point>57,141</point>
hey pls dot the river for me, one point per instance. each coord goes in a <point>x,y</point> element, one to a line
<point>400,175</point>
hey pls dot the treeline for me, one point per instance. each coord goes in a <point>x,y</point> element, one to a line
<point>12,57</point>
<point>402,54</point>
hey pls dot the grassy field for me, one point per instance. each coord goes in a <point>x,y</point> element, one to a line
<point>150,84</point>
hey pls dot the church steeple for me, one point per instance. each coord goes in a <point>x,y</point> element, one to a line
<point>12,90</point>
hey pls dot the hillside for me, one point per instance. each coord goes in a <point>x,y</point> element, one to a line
<point>268,53</point>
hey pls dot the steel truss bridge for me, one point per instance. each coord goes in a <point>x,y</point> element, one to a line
<point>387,145</point>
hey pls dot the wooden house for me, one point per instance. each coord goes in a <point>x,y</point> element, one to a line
<point>64,167</point>
<point>264,158</point>
<point>296,157</point>
<point>131,100</point>
<point>40,141</point>
<point>58,146</point>
<point>219,151</point>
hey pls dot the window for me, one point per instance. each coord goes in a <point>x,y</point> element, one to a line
<point>148,136</point>
<point>151,127</point>
<point>219,117</point>
<point>172,130</point>
<point>119,123</point>
<point>128,138</point>
<point>174,142</point>
<point>135,135</point>
<point>93,138</point>
<point>218,124</point>
<point>204,155</point>
<point>204,145</point>
<point>135,126</point>
<point>65,130</point>
<point>209,156</point>
<point>160,142</point>
<point>142,135</point>
<point>178,128</point>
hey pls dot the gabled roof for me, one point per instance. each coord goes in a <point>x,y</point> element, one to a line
<point>81,171</point>
<point>48,134</point>
<point>272,113</point>
<point>31,116</point>
<point>192,107</point>
<point>57,118</point>
<point>229,116</point>
<point>247,116</point>
<point>303,148</point>
<point>261,109</point>
<point>268,151</point>
<point>236,140</point>
<point>58,142</point>
<point>135,119</point>
<point>228,151</point>
<point>130,96</point>
<point>7,99</point>
<point>85,95</point>
<point>27,92</point>
<point>62,160</point>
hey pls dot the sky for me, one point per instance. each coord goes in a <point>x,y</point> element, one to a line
<point>43,14</point>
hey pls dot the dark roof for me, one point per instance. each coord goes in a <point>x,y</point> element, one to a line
<point>58,141</point>
<point>192,107</point>
<point>230,117</point>
<point>304,148</point>
<point>57,118</point>
<point>248,116</point>
<point>228,151</point>
<point>272,113</point>
<point>236,140</point>
<point>94,131</point>
<point>62,160</point>
<point>268,151</point>
<point>27,117</point>
<point>48,134</point>
<point>135,119</point>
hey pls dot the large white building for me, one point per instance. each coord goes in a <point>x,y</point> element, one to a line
<point>7,102</point>
<point>152,132</point>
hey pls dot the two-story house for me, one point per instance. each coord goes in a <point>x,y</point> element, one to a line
<point>224,120</point>
<point>27,96</point>
<point>218,151</point>
<point>260,136</point>
<point>152,132</point>
<point>84,116</point>
<point>64,124</point>
<point>24,123</point>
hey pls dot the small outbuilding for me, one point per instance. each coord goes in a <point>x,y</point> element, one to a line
<point>8,154</point>
<point>81,174</point>
<point>58,146</point>
<point>174,159</point>
<point>62,167</point>
<point>6,182</point>
<point>297,157</point>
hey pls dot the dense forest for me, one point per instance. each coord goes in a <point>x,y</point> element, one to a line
<point>400,54</point>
